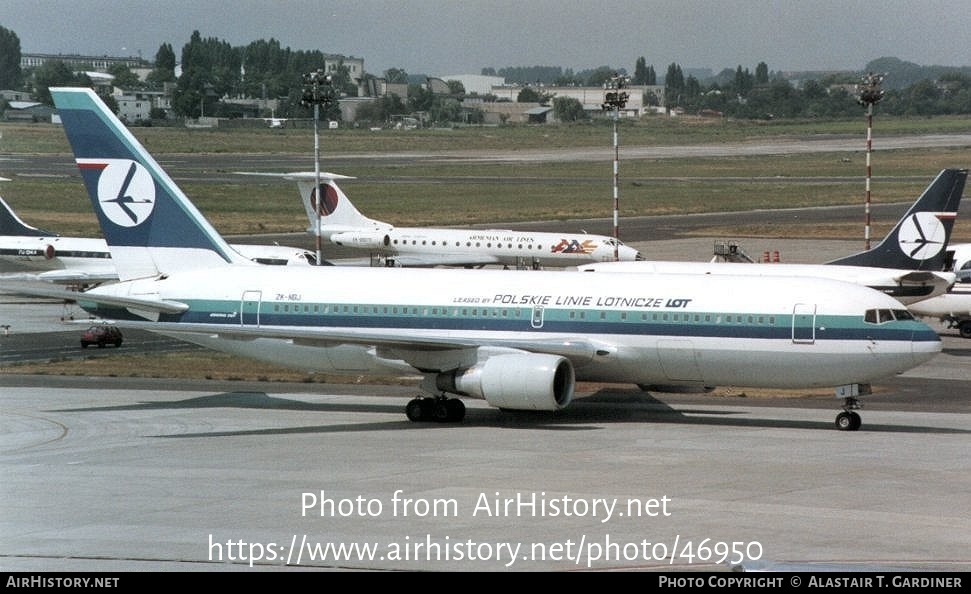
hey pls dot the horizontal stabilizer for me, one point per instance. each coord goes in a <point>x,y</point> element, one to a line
<point>298,176</point>
<point>69,277</point>
<point>154,305</point>
<point>919,277</point>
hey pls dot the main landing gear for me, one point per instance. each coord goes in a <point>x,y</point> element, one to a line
<point>441,409</point>
<point>849,420</point>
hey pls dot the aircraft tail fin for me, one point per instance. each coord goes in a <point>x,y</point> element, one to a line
<point>10,224</point>
<point>919,240</point>
<point>149,224</point>
<point>337,212</point>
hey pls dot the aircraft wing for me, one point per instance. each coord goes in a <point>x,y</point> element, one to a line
<point>408,345</point>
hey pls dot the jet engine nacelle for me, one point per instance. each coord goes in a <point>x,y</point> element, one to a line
<point>519,382</point>
<point>362,240</point>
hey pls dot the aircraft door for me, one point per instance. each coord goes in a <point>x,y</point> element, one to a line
<point>804,323</point>
<point>537,319</point>
<point>249,308</point>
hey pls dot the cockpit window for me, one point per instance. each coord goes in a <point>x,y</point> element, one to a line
<point>882,316</point>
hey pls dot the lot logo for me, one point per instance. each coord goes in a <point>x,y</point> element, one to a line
<point>922,236</point>
<point>126,192</point>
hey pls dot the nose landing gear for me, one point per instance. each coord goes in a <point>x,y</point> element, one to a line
<point>849,419</point>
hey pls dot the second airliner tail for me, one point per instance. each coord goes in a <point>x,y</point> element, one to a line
<point>337,213</point>
<point>919,240</point>
<point>12,226</point>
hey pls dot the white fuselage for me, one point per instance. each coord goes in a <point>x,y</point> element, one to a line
<point>89,258</point>
<point>644,329</point>
<point>414,246</point>
<point>955,304</point>
<point>887,280</point>
<point>84,256</point>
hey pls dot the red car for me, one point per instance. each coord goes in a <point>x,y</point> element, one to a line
<point>101,335</point>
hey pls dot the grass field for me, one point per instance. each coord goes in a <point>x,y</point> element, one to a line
<point>441,193</point>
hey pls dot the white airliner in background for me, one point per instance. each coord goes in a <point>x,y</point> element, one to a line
<point>342,224</point>
<point>961,262</point>
<point>47,256</point>
<point>519,340</point>
<point>907,265</point>
<point>954,307</point>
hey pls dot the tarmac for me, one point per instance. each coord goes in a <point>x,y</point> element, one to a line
<point>109,474</point>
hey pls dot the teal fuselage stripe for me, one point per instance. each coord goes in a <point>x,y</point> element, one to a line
<point>552,321</point>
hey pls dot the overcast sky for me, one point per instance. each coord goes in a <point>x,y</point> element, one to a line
<point>448,37</point>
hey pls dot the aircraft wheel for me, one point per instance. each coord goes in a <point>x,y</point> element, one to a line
<point>965,329</point>
<point>415,410</point>
<point>456,409</point>
<point>848,421</point>
<point>441,411</point>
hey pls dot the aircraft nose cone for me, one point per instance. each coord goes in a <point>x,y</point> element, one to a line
<point>628,254</point>
<point>925,345</point>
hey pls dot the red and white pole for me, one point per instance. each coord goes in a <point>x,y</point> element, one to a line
<point>616,191</point>
<point>869,149</point>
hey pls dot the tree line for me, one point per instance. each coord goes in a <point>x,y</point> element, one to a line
<point>764,95</point>
<point>213,70</point>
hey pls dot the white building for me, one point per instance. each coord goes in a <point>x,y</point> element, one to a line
<point>592,98</point>
<point>476,83</point>
<point>136,106</point>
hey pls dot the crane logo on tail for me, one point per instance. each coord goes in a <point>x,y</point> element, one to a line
<point>922,236</point>
<point>126,192</point>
